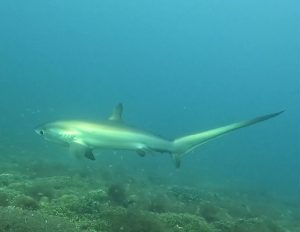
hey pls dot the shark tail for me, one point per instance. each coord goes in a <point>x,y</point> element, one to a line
<point>186,144</point>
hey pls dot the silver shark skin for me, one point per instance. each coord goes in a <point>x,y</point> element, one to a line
<point>84,137</point>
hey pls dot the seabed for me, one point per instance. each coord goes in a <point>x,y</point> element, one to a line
<point>38,195</point>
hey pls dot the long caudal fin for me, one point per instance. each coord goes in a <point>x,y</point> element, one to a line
<point>187,143</point>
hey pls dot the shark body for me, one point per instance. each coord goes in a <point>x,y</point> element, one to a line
<point>84,137</point>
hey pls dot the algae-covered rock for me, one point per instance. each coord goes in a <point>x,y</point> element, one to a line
<point>37,190</point>
<point>254,225</point>
<point>186,223</point>
<point>211,212</point>
<point>5,179</point>
<point>88,205</point>
<point>18,220</point>
<point>42,168</point>
<point>117,193</point>
<point>136,221</point>
<point>32,193</point>
<point>98,195</point>
<point>25,202</point>
<point>248,225</point>
<point>8,178</point>
<point>160,203</point>
<point>62,206</point>
<point>4,198</point>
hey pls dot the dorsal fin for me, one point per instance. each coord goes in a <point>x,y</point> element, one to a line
<point>117,113</point>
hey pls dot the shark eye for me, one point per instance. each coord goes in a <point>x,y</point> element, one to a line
<point>41,132</point>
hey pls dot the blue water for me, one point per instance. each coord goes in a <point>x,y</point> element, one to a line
<point>177,66</point>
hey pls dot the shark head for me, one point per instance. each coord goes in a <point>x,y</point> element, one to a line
<point>55,132</point>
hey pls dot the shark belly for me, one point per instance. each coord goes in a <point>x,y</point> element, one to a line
<point>125,140</point>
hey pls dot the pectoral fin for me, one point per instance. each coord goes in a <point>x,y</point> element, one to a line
<point>141,153</point>
<point>80,150</point>
<point>142,150</point>
<point>89,155</point>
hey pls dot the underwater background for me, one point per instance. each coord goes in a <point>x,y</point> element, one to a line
<point>178,67</point>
